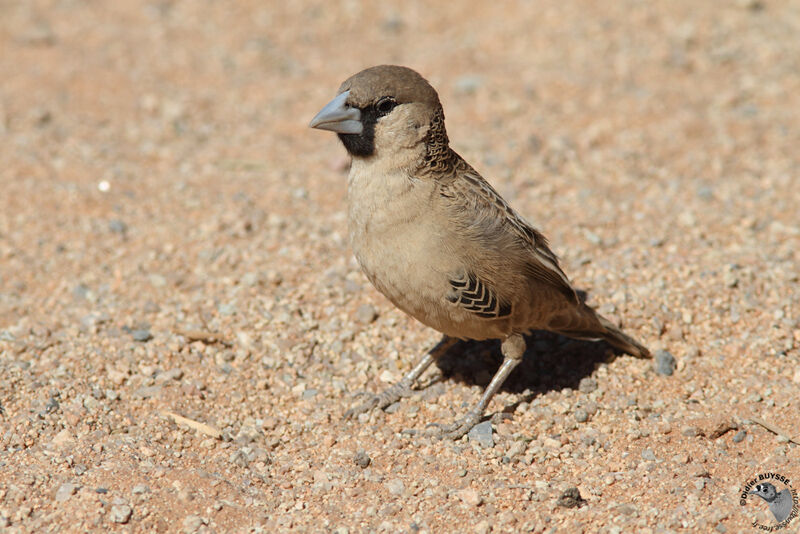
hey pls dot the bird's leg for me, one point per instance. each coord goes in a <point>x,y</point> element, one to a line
<point>512,348</point>
<point>402,388</point>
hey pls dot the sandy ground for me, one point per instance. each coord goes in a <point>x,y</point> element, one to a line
<point>173,244</point>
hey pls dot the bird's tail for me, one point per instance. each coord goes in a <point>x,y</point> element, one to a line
<point>619,339</point>
<point>583,322</point>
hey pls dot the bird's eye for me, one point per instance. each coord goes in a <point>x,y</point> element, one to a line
<point>385,105</point>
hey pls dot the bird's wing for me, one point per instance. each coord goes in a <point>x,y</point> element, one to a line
<point>474,295</point>
<point>468,191</point>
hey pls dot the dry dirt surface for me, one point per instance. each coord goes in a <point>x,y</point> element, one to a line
<point>182,324</point>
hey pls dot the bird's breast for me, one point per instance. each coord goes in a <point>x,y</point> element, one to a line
<point>396,240</point>
<point>390,229</point>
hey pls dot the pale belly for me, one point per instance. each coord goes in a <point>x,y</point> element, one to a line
<point>395,262</point>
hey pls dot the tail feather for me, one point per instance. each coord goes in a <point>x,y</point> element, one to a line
<point>585,323</point>
<point>619,339</point>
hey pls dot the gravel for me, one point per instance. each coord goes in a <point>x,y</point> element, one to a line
<point>65,491</point>
<point>141,334</point>
<point>571,498</point>
<point>395,486</point>
<point>581,415</point>
<point>117,226</point>
<point>482,434</point>
<point>587,385</point>
<point>121,513</point>
<point>361,459</point>
<point>689,431</point>
<point>470,497</point>
<point>366,313</point>
<point>192,523</point>
<point>665,363</point>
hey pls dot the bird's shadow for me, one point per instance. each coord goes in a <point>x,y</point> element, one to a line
<point>551,362</point>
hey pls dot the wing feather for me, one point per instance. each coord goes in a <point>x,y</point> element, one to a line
<point>475,295</point>
<point>468,191</point>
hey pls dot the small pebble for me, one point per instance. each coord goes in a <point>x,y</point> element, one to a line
<point>362,459</point>
<point>587,385</point>
<point>689,431</point>
<point>581,415</point>
<point>172,374</point>
<point>665,363</point>
<point>226,309</point>
<point>516,448</point>
<point>250,279</point>
<point>142,335</point>
<point>117,226</point>
<point>482,434</point>
<point>395,486</point>
<point>239,457</point>
<point>366,313</point>
<point>65,491</point>
<point>147,392</point>
<point>648,454</point>
<point>121,513</point>
<point>192,523</point>
<point>470,496</point>
<point>571,498</point>
<point>139,489</point>
<point>739,436</point>
<point>52,406</point>
<point>81,291</point>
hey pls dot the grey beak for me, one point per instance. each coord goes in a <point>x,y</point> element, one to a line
<point>338,117</point>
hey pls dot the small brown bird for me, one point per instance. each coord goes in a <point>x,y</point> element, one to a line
<point>438,241</point>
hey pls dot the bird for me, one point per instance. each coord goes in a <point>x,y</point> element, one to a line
<point>434,237</point>
<point>780,503</point>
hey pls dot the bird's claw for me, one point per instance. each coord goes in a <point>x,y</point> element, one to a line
<point>355,411</point>
<point>387,397</point>
<point>456,429</point>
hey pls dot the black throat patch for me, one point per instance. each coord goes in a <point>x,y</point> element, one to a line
<point>363,144</point>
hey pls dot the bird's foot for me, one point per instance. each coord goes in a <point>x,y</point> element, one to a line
<point>388,396</point>
<point>457,428</point>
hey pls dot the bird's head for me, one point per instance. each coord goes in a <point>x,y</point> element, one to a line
<point>766,491</point>
<point>385,110</point>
